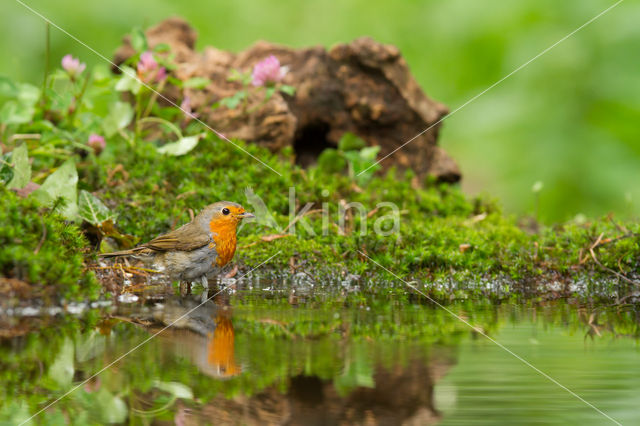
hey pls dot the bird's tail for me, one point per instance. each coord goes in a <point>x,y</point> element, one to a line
<point>117,253</point>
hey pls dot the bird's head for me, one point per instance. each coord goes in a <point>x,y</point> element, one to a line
<point>222,217</point>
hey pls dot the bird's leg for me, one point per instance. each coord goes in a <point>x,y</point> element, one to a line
<point>205,282</point>
<point>205,285</point>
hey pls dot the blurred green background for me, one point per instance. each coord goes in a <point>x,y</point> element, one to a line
<point>569,120</point>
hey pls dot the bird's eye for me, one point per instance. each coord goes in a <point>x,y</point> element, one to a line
<point>225,211</point>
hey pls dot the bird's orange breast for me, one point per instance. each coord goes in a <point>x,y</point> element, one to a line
<point>224,235</point>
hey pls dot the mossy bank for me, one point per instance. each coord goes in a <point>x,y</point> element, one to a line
<point>442,233</point>
<point>96,162</point>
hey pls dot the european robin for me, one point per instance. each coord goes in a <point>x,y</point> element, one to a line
<point>192,251</point>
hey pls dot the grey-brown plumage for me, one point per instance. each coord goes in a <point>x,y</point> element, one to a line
<point>195,249</point>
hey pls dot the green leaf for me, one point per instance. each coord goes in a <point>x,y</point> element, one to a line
<point>61,184</point>
<point>289,90</point>
<point>21,167</point>
<point>261,211</point>
<point>176,389</point>
<point>350,142</point>
<point>128,82</point>
<point>119,117</point>
<point>8,89</point>
<point>17,413</point>
<point>101,74</point>
<point>18,101</point>
<point>28,94</point>
<point>139,40</point>
<point>90,346</point>
<point>24,92</point>
<point>57,418</point>
<point>331,161</point>
<point>196,83</point>
<point>180,147</point>
<point>62,369</point>
<point>162,47</point>
<point>92,209</point>
<point>363,161</point>
<point>369,154</point>
<point>6,171</point>
<point>232,102</point>
<point>13,112</point>
<point>112,408</point>
<point>269,93</point>
<point>244,78</point>
<point>235,75</point>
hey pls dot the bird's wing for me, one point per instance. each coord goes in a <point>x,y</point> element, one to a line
<point>186,238</point>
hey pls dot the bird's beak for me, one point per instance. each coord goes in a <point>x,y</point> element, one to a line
<point>245,215</point>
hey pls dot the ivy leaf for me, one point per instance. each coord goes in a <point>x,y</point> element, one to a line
<point>196,83</point>
<point>180,147</point>
<point>128,82</point>
<point>92,209</point>
<point>289,90</point>
<point>61,184</point>
<point>21,167</point>
<point>119,117</point>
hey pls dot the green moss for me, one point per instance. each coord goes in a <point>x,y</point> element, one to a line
<point>40,248</point>
<point>443,233</point>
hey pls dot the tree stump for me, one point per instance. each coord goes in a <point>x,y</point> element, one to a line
<point>363,87</point>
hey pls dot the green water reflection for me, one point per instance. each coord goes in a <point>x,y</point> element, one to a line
<point>251,360</point>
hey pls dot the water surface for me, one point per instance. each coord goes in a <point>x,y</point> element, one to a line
<point>259,357</point>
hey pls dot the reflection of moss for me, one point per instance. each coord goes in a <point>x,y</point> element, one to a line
<point>273,342</point>
<point>41,249</point>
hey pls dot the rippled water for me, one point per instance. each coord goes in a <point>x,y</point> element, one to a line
<point>262,358</point>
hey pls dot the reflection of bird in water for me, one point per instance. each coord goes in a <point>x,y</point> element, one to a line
<point>205,336</point>
<point>221,348</point>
